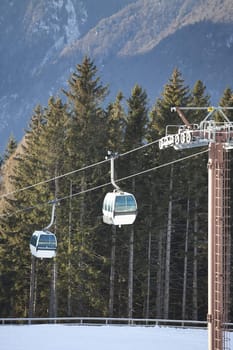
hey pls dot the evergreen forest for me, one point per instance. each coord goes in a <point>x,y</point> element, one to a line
<point>155,268</point>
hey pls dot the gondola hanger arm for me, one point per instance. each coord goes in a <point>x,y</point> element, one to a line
<point>112,157</point>
<point>54,203</point>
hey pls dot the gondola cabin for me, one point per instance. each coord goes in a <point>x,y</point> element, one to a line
<point>43,244</point>
<point>119,208</point>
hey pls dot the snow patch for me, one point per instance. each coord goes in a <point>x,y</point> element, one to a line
<point>71,29</point>
<point>229,41</point>
<point>60,22</point>
<point>60,337</point>
<point>49,55</point>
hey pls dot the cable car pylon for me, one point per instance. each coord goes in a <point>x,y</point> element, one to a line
<point>119,207</point>
<point>218,136</point>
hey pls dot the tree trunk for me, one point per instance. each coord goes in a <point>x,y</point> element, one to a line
<point>53,283</point>
<point>130,282</point>
<point>159,274</point>
<point>112,272</point>
<point>81,280</point>
<point>69,307</point>
<point>168,249</point>
<point>31,309</point>
<point>131,262</point>
<point>195,252</point>
<point>148,276</point>
<point>53,296</point>
<point>149,259</point>
<point>185,265</point>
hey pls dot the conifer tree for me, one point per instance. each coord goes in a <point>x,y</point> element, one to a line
<point>175,93</point>
<point>85,96</point>
<point>134,137</point>
<point>16,226</point>
<point>10,148</point>
<point>86,142</point>
<point>227,101</point>
<point>116,123</point>
<point>52,140</point>
<point>41,158</point>
<point>199,98</point>
<point>137,118</point>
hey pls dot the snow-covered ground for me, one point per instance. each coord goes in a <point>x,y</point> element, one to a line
<point>67,337</point>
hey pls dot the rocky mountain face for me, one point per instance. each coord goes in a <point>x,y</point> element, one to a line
<point>131,41</point>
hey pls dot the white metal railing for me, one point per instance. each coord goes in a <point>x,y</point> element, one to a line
<point>104,321</point>
<point>108,321</point>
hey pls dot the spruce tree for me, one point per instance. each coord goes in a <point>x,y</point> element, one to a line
<point>86,142</point>
<point>227,101</point>
<point>85,95</point>
<point>10,148</point>
<point>16,226</point>
<point>116,123</point>
<point>41,159</point>
<point>52,140</point>
<point>175,94</point>
<point>135,132</point>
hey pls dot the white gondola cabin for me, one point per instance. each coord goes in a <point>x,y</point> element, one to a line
<point>119,208</point>
<point>43,244</point>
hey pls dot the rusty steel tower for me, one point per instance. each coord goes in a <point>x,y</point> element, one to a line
<point>218,136</point>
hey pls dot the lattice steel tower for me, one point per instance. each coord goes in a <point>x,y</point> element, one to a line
<point>218,136</point>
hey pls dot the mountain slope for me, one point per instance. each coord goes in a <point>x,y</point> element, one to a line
<point>141,26</point>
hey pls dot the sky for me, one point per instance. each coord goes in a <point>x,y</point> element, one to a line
<point>112,337</point>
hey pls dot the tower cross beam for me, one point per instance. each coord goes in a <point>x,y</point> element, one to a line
<point>199,135</point>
